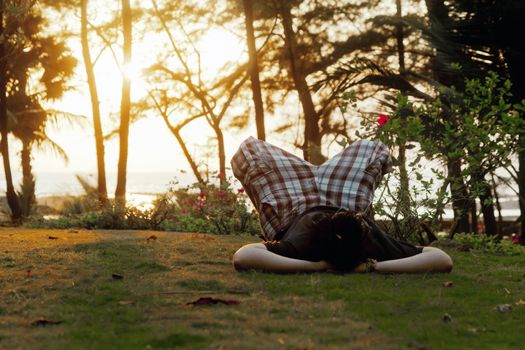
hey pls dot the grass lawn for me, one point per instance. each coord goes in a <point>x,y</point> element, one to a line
<point>68,278</point>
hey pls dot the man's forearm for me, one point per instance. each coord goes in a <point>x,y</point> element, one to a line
<point>256,256</point>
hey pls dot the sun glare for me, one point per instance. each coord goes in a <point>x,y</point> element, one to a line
<point>132,71</point>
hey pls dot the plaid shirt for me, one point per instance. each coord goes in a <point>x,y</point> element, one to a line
<point>283,186</point>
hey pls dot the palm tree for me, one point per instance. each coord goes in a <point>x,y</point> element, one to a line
<point>50,56</point>
<point>12,199</point>
<point>29,126</point>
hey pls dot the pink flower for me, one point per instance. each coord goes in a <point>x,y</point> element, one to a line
<point>240,191</point>
<point>199,204</point>
<point>221,193</point>
<point>383,119</point>
<point>516,238</point>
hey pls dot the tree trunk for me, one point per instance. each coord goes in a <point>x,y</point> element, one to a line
<point>95,107</point>
<point>460,202</point>
<point>400,35</point>
<point>487,208</point>
<point>312,134</point>
<point>498,203</point>
<point>27,194</point>
<point>12,199</point>
<point>187,154</point>
<point>125,106</point>
<point>521,186</point>
<point>404,198</point>
<point>254,70</point>
<point>473,216</point>
<point>222,155</point>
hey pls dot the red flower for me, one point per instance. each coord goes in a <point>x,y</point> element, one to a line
<point>221,193</point>
<point>202,194</point>
<point>240,190</point>
<point>383,119</point>
<point>200,204</point>
<point>184,212</point>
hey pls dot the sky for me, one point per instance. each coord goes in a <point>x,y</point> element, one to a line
<point>152,148</point>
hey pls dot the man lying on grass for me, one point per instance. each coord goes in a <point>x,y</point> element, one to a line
<point>315,218</point>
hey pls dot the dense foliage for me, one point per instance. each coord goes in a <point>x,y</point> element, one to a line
<point>207,207</point>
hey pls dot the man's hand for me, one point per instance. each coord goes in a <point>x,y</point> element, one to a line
<point>368,266</point>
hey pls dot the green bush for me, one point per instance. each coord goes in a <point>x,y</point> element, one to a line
<point>489,244</point>
<point>477,128</point>
<point>206,208</point>
<point>213,208</point>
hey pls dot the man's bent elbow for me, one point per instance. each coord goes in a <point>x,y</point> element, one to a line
<point>445,263</point>
<point>241,258</point>
<point>238,260</point>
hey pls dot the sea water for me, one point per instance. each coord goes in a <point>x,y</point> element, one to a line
<point>143,187</point>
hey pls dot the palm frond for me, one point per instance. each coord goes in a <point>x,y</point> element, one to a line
<point>44,143</point>
<point>58,118</point>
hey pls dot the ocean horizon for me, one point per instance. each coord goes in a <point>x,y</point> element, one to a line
<point>143,187</point>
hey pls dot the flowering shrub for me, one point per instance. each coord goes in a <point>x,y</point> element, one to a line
<point>204,208</point>
<point>212,208</point>
<point>478,127</point>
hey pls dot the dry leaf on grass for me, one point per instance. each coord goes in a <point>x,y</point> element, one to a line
<point>44,322</point>
<point>520,302</point>
<point>116,276</point>
<point>448,284</point>
<point>212,301</point>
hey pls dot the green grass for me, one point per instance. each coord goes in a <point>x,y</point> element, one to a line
<point>71,281</point>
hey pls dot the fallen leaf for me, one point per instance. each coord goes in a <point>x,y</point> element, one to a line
<point>52,237</point>
<point>116,276</point>
<point>281,340</point>
<point>448,284</point>
<point>504,307</point>
<point>519,302</point>
<point>210,301</point>
<point>447,318</point>
<point>151,238</point>
<point>44,322</point>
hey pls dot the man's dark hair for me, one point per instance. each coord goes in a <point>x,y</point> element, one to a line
<point>340,238</point>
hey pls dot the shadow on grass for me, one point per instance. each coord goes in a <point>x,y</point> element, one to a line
<point>148,308</point>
